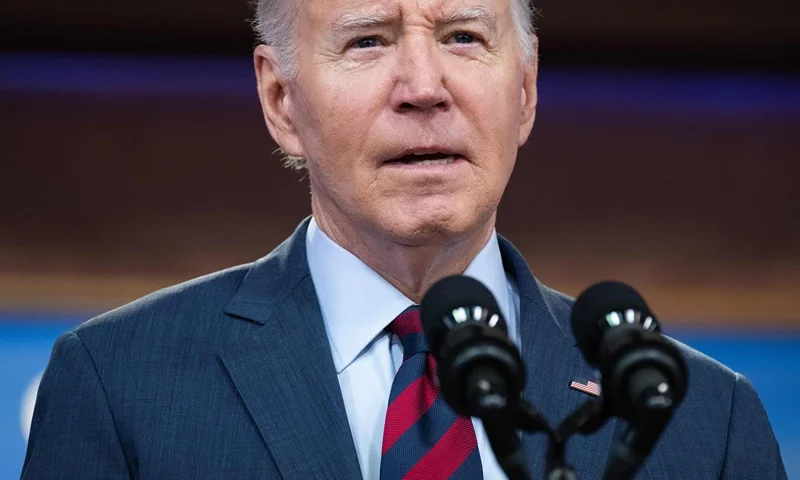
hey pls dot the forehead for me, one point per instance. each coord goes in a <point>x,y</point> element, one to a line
<point>329,14</point>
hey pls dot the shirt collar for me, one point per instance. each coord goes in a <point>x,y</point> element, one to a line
<point>357,303</point>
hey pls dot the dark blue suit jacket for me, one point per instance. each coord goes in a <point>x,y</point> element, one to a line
<point>231,376</point>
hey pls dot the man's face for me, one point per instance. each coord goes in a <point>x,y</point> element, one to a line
<point>409,112</point>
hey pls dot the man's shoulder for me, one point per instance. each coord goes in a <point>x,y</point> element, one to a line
<point>189,302</point>
<point>705,412</point>
<point>711,387</point>
<point>702,368</point>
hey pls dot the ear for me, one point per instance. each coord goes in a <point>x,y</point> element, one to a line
<point>529,96</point>
<point>276,100</point>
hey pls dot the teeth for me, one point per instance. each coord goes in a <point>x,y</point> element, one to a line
<point>443,161</point>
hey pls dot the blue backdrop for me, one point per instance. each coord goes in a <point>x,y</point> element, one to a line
<point>770,360</point>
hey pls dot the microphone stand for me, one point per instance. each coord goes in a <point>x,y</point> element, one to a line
<point>501,430</point>
<point>529,420</point>
<point>654,412</point>
<point>506,445</point>
<point>587,418</point>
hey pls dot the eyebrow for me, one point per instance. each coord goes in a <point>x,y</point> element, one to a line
<point>472,14</point>
<point>359,21</point>
<point>355,21</point>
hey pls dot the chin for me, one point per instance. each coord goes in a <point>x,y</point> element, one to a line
<point>430,230</point>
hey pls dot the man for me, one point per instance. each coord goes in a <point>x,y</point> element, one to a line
<point>408,115</point>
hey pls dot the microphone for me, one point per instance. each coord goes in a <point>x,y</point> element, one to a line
<point>643,375</point>
<point>480,370</point>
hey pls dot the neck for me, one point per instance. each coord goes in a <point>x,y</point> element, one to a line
<point>412,269</point>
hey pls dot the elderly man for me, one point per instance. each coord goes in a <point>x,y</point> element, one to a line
<point>407,115</point>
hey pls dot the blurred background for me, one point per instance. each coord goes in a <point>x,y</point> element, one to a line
<point>666,154</point>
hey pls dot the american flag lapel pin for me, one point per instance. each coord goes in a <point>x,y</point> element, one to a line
<point>589,387</point>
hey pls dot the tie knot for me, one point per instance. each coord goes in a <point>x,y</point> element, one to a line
<point>408,328</point>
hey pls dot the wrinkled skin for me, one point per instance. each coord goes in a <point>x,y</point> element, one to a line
<point>377,80</point>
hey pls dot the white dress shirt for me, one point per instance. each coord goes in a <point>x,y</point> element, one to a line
<point>357,304</point>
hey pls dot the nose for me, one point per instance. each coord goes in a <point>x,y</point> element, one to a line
<point>420,85</point>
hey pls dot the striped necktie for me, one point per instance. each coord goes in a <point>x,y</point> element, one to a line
<point>423,437</point>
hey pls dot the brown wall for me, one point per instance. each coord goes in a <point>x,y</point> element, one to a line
<point>104,197</point>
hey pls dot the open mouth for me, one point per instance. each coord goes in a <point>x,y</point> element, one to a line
<point>426,159</point>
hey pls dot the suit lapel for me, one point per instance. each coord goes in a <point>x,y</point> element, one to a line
<point>552,362</point>
<point>285,373</point>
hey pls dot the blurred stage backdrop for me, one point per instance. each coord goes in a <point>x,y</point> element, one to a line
<point>666,154</point>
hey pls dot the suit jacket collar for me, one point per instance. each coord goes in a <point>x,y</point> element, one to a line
<point>286,377</point>
<point>271,280</point>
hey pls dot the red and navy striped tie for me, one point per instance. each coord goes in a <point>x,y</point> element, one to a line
<point>423,437</point>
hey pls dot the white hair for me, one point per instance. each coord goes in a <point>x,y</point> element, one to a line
<point>522,13</point>
<point>275,23</point>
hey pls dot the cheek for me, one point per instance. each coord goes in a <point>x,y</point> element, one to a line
<point>343,109</point>
<point>491,106</point>
<point>342,117</point>
<point>490,101</point>
<point>497,144</point>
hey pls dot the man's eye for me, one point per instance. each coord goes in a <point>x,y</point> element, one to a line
<point>367,42</point>
<point>463,37</point>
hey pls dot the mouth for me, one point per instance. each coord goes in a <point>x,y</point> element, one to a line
<point>426,158</point>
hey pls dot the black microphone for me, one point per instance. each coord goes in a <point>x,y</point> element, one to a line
<point>643,374</point>
<point>480,370</point>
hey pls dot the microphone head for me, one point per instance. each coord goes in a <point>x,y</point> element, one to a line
<point>479,368</point>
<point>602,307</point>
<point>449,294</point>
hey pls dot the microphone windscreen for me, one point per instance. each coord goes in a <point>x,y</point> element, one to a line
<point>447,295</point>
<point>591,308</point>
